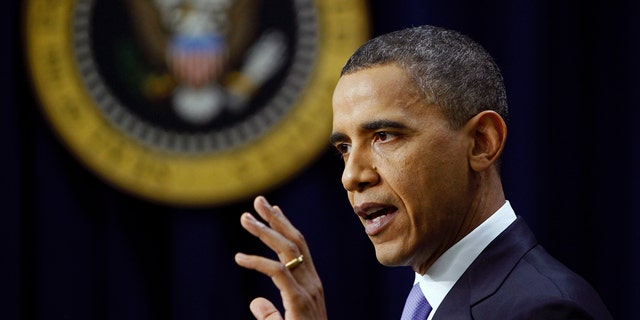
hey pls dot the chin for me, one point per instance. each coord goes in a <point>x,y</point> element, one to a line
<point>389,257</point>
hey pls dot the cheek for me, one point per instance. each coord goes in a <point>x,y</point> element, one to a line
<point>445,162</point>
<point>350,196</point>
<point>431,177</point>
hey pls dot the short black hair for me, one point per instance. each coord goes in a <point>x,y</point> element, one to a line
<point>448,68</point>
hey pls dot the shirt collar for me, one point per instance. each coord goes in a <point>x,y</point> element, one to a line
<point>444,273</point>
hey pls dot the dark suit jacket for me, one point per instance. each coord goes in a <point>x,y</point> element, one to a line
<point>515,278</point>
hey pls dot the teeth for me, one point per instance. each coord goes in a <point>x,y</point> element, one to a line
<point>376,220</point>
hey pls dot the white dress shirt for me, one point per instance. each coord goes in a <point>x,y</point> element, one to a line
<point>444,273</point>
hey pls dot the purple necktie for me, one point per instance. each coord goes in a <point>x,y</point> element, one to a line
<point>417,307</point>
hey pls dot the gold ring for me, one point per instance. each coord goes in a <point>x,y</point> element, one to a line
<point>294,263</point>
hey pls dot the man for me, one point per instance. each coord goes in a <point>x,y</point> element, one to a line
<point>418,116</point>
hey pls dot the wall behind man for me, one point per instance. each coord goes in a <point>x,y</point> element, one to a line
<point>75,248</point>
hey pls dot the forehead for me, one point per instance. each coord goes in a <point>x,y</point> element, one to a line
<point>365,82</point>
<point>378,92</point>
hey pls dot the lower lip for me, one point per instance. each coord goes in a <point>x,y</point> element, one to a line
<point>374,226</point>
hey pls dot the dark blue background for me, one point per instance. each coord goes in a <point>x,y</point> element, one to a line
<point>72,247</point>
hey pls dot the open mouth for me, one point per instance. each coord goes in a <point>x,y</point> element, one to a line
<point>376,216</point>
<point>379,213</point>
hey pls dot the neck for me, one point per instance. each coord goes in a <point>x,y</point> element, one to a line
<point>486,201</point>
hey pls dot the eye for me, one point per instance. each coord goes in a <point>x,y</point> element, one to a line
<point>343,149</point>
<point>383,136</point>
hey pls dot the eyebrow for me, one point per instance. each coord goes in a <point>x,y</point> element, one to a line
<point>382,124</point>
<point>337,137</point>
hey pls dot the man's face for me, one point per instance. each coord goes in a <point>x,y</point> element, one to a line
<point>406,170</point>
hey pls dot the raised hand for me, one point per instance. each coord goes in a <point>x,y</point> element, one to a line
<point>294,273</point>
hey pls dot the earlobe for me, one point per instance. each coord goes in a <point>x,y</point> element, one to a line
<point>489,133</point>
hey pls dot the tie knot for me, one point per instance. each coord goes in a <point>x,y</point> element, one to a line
<point>416,307</point>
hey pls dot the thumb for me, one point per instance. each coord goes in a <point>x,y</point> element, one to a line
<point>263,309</point>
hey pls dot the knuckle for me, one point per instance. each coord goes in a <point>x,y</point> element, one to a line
<point>317,292</point>
<point>298,238</point>
<point>292,247</point>
<point>279,269</point>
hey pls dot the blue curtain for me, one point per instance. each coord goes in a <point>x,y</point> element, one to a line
<point>73,247</point>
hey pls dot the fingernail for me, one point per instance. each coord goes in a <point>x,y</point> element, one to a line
<point>240,257</point>
<point>253,220</point>
<point>250,217</point>
<point>264,201</point>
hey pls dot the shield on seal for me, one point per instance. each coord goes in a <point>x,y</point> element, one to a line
<point>196,60</point>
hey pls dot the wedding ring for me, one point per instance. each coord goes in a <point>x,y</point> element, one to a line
<point>294,263</point>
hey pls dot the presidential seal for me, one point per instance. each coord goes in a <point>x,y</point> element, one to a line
<point>191,102</point>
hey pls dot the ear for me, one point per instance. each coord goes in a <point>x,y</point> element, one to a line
<point>488,132</point>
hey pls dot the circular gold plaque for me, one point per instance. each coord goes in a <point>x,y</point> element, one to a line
<point>191,104</point>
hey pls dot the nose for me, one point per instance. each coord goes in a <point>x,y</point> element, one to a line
<point>359,173</point>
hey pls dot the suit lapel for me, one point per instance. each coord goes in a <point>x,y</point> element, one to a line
<point>487,272</point>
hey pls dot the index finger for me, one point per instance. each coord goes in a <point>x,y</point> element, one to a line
<point>283,247</point>
<point>276,219</point>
